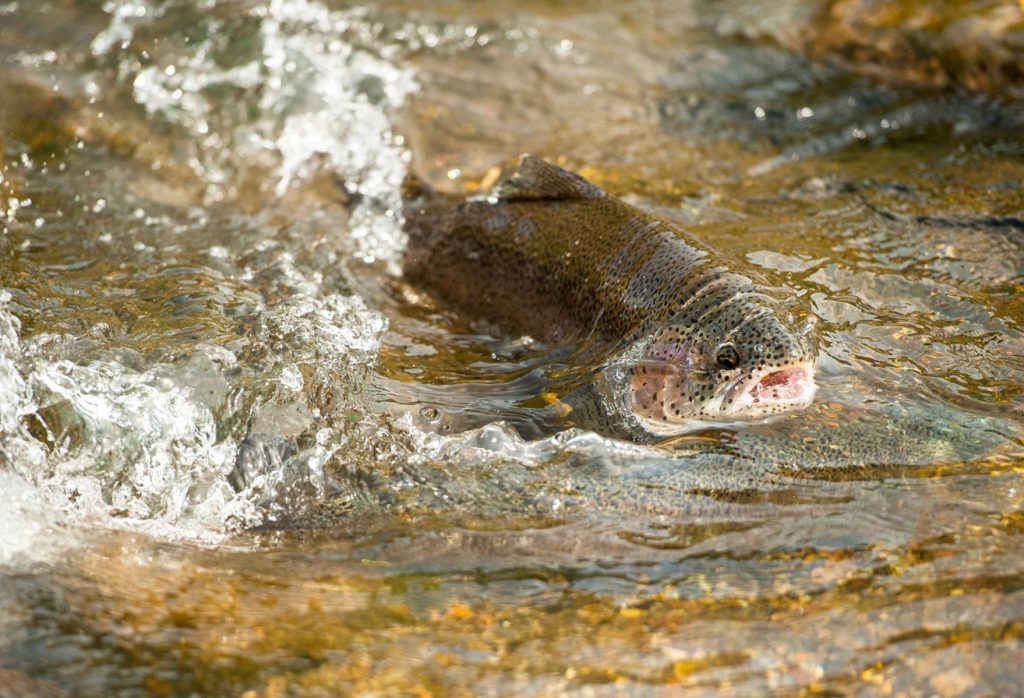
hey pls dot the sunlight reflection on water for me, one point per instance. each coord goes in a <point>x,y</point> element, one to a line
<point>201,326</point>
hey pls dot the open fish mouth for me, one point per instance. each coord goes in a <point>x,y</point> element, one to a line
<point>771,391</point>
<point>656,400</point>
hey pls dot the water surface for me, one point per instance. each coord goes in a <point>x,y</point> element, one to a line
<point>240,456</point>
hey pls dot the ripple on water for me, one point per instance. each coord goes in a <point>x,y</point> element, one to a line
<point>140,424</point>
<point>182,353</point>
<point>153,450</point>
<point>317,87</point>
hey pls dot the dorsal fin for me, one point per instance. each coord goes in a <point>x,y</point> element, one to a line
<point>536,178</point>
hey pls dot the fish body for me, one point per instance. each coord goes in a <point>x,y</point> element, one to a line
<point>551,255</point>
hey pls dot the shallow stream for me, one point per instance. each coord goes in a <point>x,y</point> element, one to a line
<point>240,456</point>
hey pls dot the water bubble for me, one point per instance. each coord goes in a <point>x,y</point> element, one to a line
<point>31,529</point>
<point>291,378</point>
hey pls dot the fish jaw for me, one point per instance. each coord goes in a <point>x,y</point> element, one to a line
<point>764,393</point>
<point>768,391</point>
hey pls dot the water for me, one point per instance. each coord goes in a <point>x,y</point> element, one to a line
<point>239,454</point>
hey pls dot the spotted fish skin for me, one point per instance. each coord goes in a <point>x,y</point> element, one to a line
<point>549,254</point>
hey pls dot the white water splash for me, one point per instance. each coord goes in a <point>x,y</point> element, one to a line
<point>97,441</point>
<point>140,450</point>
<point>139,442</point>
<point>323,97</point>
<point>27,524</point>
<point>350,91</point>
<point>134,449</point>
<point>12,385</point>
<point>30,529</point>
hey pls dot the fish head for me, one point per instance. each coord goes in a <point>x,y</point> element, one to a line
<point>747,357</point>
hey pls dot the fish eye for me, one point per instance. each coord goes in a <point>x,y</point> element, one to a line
<point>727,356</point>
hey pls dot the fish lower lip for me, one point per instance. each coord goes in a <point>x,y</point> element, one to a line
<point>792,386</point>
<point>786,384</point>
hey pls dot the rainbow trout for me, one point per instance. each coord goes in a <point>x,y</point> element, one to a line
<point>682,340</point>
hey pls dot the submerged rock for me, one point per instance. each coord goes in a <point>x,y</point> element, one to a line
<point>979,44</point>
